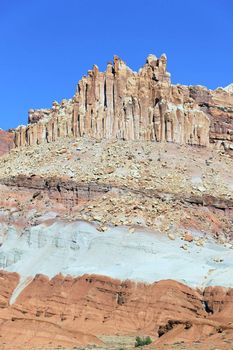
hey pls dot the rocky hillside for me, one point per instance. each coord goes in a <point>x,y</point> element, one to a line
<point>160,211</point>
<point>116,216</point>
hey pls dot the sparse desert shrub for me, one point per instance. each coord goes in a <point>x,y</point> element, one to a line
<point>142,341</point>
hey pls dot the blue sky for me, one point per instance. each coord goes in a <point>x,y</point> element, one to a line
<point>47,45</point>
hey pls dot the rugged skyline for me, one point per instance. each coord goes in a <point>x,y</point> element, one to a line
<point>126,105</point>
<point>46,47</point>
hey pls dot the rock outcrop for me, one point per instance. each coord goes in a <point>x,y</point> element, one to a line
<point>100,304</point>
<point>60,190</point>
<point>8,282</point>
<point>6,141</point>
<point>60,310</point>
<point>158,210</point>
<point>67,191</point>
<point>218,106</point>
<point>143,105</point>
<point>20,329</point>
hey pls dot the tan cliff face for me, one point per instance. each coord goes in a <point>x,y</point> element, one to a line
<point>143,105</point>
<point>218,106</point>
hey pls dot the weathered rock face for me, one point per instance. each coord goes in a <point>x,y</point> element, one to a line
<point>67,191</point>
<point>8,282</point>
<point>219,302</point>
<point>218,106</point>
<point>6,142</point>
<point>100,304</point>
<point>62,310</point>
<point>122,104</point>
<point>20,329</point>
<point>64,191</point>
<point>47,190</point>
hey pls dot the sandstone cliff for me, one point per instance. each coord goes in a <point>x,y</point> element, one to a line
<point>66,311</point>
<point>143,105</point>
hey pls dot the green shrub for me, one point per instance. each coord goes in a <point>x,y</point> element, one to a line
<point>142,341</point>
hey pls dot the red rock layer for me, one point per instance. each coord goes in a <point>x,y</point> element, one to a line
<point>8,282</point>
<point>101,305</point>
<point>20,329</point>
<point>61,310</point>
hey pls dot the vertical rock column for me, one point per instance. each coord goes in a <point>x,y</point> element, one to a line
<point>122,104</point>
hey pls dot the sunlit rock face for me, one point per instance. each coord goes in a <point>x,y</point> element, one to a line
<point>122,104</point>
<point>218,106</point>
<point>100,234</point>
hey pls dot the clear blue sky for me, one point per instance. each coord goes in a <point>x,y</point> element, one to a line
<point>47,45</point>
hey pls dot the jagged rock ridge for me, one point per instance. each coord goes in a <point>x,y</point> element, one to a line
<point>143,105</point>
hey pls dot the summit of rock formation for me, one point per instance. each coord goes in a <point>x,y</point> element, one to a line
<point>116,216</point>
<point>229,88</point>
<point>143,105</point>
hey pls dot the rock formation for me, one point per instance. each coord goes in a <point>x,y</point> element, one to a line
<point>218,106</point>
<point>100,234</point>
<point>61,310</point>
<point>6,141</point>
<point>20,329</point>
<point>143,105</point>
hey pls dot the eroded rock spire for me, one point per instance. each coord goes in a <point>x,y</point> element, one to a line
<point>122,104</point>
